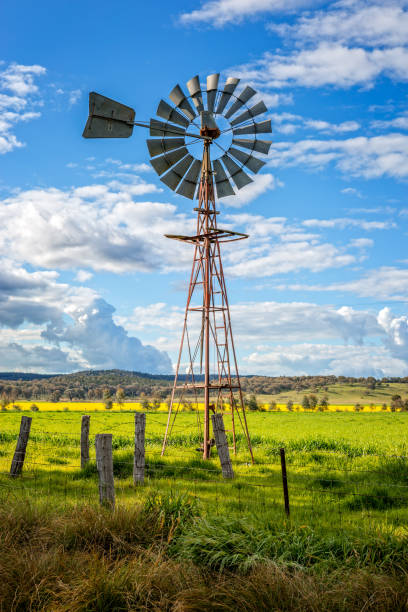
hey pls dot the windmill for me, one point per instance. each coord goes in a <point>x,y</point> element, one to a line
<point>207,116</point>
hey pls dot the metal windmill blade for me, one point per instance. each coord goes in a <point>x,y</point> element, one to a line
<point>179,100</point>
<point>262,146</point>
<point>174,176</point>
<point>239,177</point>
<point>164,162</point>
<point>263,127</point>
<point>228,90</point>
<point>158,128</point>
<point>257,109</point>
<point>189,183</point>
<point>158,147</point>
<point>194,88</point>
<point>242,99</point>
<point>250,161</point>
<point>165,111</point>
<point>212,87</point>
<point>222,183</point>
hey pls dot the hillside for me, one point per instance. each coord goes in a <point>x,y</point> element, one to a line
<point>93,384</point>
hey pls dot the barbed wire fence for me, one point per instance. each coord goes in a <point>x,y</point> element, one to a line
<point>53,464</point>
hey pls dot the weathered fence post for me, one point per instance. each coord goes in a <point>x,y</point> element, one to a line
<point>284,481</point>
<point>21,446</point>
<point>222,445</point>
<point>139,457</point>
<point>104,463</point>
<point>85,440</point>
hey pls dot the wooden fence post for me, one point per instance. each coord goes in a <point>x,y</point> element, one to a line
<point>104,463</point>
<point>21,446</point>
<point>222,445</point>
<point>85,440</point>
<point>139,456</point>
<point>284,481</point>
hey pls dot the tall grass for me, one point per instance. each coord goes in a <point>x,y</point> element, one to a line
<point>163,556</point>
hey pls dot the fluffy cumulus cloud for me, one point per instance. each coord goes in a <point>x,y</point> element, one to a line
<point>218,13</point>
<point>288,123</point>
<point>100,226</point>
<point>18,89</point>
<point>370,157</point>
<point>262,183</point>
<point>43,311</point>
<point>313,359</point>
<point>277,246</point>
<point>317,338</point>
<point>385,283</point>
<point>103,344</point>
<point>359,23</point>
<point>329,63</point>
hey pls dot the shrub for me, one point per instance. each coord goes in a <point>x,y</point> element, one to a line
<point>16,408</point>
<point>65,409</point>
<point>34,408</point>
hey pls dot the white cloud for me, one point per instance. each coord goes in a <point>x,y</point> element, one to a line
<point>15,108</point>
<point>278,247</point>
<point>352,191</point>
<point>218,13</point>
<point>74,96</point>
<point>313,359</point>
<point>385,283</point>
<point>361,23</point>
<point>373,157</point>
<point>98,226</point>
<point>345,223</point>
<point>102,344</point>
<point>287,123</point>
<point>288,257</point>
<point>327,64</point>
<point>399,123</point>
<point>261,184</point>
<point>83,275</point>
<point>76,319</point>
<point>19,79</point>
<point>318,339</point>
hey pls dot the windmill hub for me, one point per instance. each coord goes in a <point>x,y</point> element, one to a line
<point>209,126</point>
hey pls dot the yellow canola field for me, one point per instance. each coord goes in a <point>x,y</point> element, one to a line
<point>99,406</point>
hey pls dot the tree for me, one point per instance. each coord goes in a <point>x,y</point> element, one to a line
<point>120,396</point>
<point>252,403</point>
<point>107,398</point>
<point>4,402</point>
<point>313,401</point>
<point>305,403</point>
<point>156,403</point>
<point>357,408</point>
<point>324,403</point>
<point>384,407</point>
<point>289,405</point>
<point>145,405</point>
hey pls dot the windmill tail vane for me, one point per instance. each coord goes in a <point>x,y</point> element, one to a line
<point>207,351</point>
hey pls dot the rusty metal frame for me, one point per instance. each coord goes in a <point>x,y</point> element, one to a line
<point>216,332</point>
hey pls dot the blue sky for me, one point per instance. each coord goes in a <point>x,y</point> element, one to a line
<point>87,279</point>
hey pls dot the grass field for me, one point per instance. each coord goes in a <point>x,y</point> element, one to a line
<point>348,487</point>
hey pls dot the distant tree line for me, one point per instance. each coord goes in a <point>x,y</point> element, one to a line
<point>121,385</point>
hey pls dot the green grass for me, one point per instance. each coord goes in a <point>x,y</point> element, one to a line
<point>348,488</point>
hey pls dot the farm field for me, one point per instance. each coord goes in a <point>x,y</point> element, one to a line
<point>348,489</point>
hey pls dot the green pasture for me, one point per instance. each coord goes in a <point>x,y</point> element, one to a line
<point>346,471</point>
<point>342,394</point>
